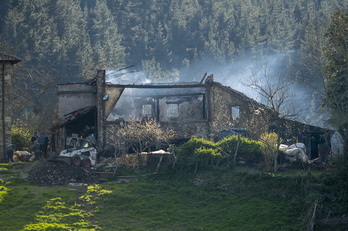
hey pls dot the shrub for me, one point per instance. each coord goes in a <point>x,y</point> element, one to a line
<point>188,153</point>
<point>269,146</point>
<point>204,153</point>
<point>334,189</point>
<point>248,150</point>
<point>21,137</point>
<point>206,157</point>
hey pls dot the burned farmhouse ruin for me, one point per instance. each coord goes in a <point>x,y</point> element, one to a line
<point>97,108</point>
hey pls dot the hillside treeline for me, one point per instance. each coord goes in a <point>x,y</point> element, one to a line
<point>67,41</point>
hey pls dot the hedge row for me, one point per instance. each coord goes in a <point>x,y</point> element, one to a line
<point>199,152</point>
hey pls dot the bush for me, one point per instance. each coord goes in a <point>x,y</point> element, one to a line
<point>21,137</point>
<point>199,152</point>
<point>248,150</point>
<point>206,157</point>
<point>269,146</point>
<point>188,153</point>
<point>334,189</point>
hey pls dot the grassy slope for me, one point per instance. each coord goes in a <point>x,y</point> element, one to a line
<point>164,206</point>
<point>21,203</point>
<point>249,203</point>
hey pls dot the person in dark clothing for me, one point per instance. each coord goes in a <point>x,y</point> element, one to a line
<point>36,150</point>
<point>41,139</point>
<point>10,150</point>
<point>47,142</point>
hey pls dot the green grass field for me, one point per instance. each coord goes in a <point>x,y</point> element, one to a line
<point>207,201</point>
<point>166,206</point>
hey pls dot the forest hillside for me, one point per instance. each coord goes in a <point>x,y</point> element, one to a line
<point>173,40</point>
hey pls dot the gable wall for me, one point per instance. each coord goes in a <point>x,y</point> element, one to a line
<point>73,97</point>
<point>254,120</point>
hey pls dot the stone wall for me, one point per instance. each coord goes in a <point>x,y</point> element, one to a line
<point>73,97</point>
<point>199,115</point>
<point>7,113</point>
<point>188,129</point>
<point>252,116</point>
<point>181,109</point>
<point>189,108</point>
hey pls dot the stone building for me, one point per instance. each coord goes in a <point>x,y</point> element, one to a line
<point>5,101</point>
<point>205,109</point>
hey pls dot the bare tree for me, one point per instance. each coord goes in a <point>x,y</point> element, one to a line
<point>269,146</point>
<point>142,136</point>
<point>33,98</point>
<point>275,91</point>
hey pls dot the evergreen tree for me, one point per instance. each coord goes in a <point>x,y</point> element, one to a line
<point>31,27</point>
<point>75,41</point>
<point>106,41</point>
<point>337,74</point>
<point>68,41</point>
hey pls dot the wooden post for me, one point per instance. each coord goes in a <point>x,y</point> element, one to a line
<point>3,124</point>
<point>101,120</point>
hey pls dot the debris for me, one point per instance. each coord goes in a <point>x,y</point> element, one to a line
<point>82,187</point>
<point>24,155</point>
<point>295,152</point>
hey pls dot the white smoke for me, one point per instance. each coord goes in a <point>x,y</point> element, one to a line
<point>236,74</point>
<point>126,77</point>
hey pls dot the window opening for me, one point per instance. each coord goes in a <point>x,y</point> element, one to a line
<point>235,112</point>
<point>147,110</point>
<point>172,110</point>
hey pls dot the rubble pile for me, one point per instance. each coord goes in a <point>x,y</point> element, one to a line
<point>60,174</point>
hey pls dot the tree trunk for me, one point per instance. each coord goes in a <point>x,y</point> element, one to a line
<point>276,154</point>
<point>344,134</point>
<point>275,161</point>
<point>345,147</point>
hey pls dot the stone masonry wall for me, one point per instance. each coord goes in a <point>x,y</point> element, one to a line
<point>221,114</point>
<point>7,102</point>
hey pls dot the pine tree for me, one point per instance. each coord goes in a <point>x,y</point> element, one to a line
<point>76,51</point>
<point>337,74</point>
<point>32,28</point>
<point>105,38</point>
